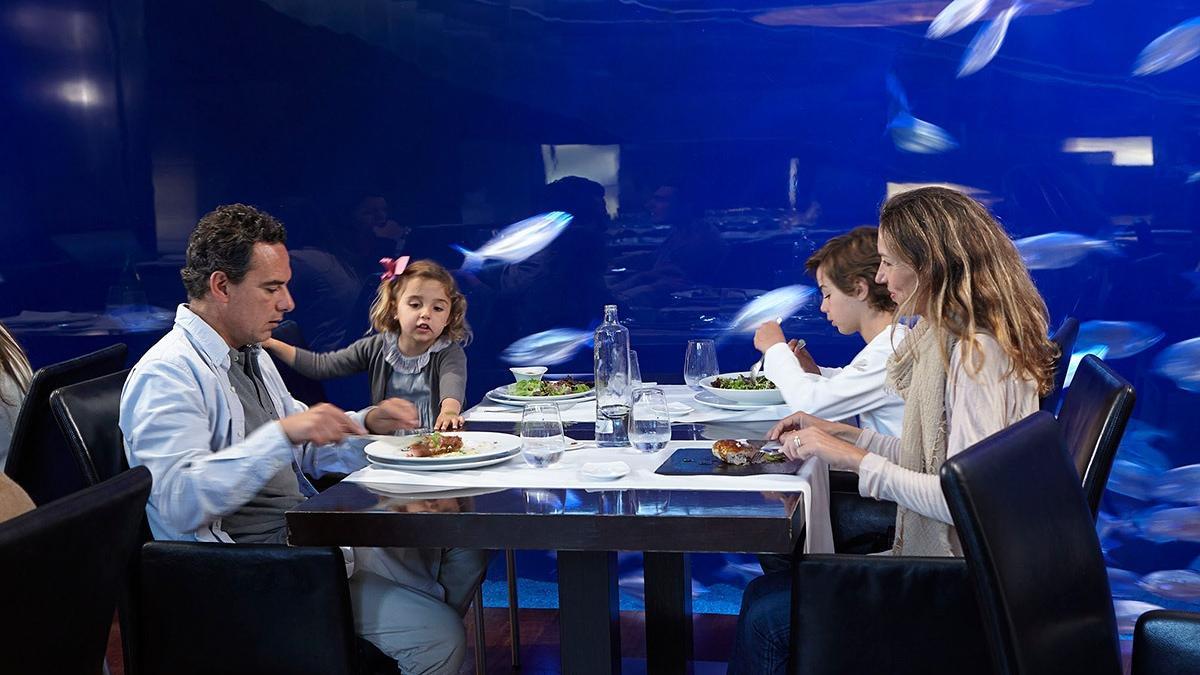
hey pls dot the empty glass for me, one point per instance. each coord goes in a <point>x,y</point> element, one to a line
<point>542,438</point>
<point>699,362</point>
<point>651,427</point>
<point>635,370</point>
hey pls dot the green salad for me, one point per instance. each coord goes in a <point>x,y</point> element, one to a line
<point>549,387</point>
<point>743,382</point>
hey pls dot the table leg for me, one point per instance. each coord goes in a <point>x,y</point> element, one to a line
<point>668,578</point>
<point>588,612</point>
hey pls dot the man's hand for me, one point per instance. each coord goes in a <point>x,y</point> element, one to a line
<point>768,335</point>
<point>321,424</point>
<point>392,414</point>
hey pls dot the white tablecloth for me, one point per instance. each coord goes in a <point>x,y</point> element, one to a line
<point>812,481</point>
<point>677,395</point>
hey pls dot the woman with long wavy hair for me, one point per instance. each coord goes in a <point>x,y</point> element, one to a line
<point>974,363</point>
<point>15,374</point>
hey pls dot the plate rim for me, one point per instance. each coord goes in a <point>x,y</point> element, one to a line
<point>450,467</point>
<point>733,405</point>
<point>501,391</point>
<point>713,390</point>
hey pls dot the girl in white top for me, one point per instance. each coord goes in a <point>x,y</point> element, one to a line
<point>853,302</point>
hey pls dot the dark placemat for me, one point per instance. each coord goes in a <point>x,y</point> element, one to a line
<point>701,462</point>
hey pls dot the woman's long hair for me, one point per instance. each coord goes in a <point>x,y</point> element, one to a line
<point>970,278</point>
<point>14,363</point>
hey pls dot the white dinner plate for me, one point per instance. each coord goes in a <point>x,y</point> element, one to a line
<point>504,393</point>
<point>757,397</point>
<point>479,444</point>
<point>448,467</point>
<point>712,400</point>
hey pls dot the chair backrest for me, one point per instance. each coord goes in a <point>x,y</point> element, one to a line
<point>65,562</point>
<point>246,608</point>
<point>1064,337</point>
<point>1093,418</point>
<point>88,414</point>
<point>302,388</point>
<point>1032,551</point>
<point>39,459</point>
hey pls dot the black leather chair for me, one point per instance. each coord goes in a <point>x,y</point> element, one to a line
<point>303,388</point>
<point>288,612</point>
<point>87,414</point>
<point>1036,565</point>
<point>65,562</point>
<point>39,459</point>
<point>1064,337</point>
<point>1093,416</point>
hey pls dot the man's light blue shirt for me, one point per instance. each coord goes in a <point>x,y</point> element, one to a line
<point>182,420</point>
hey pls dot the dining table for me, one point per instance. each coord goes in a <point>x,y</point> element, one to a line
<point>586,520</point>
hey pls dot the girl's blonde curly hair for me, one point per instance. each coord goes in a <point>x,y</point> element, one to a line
<point>387,299</point>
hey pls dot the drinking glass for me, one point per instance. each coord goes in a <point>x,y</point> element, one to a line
<point>635,370</point>
<point>699,362</point>
<point>542,438</point>
<point>651,427</point>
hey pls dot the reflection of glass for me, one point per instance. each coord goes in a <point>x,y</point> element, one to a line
<point>651,427</point>
<point>699,362</point>
<point>635,370</point>
<point>542,439</point>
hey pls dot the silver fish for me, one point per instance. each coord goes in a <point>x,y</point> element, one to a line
<point>1171,49</point>
<point>1174,524</point>
<point>1128,612</point>
<point>987,41</point>
<point>518,241</point>
<point>1122,338</point>
<point>1056,250</point>
<point>549,347</point>
<point>911,134</point>
<point>780,303</point>
<point>1180,363</point>
<point>956,16</point>
<point>1174,584</point>
<point>1181,484</point>
<point>1193,177</point>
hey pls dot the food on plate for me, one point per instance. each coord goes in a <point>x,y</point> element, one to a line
<point>734,452</point>
<point>742,382</point>
<point>549,387</point>
<point>435,445</point>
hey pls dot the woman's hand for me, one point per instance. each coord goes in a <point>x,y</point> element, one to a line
<point>803,420</point>
<point>811,441</point>
<point>448,421</point>
<point>768,335</point>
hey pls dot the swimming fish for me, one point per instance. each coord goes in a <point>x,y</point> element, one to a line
<point>1181,484</point>
<point>518,241</point>
<point>911,134</point>
<point>1123,583</point>
<point>780,303</point>
<point>1171,49</point>
<point>986,43</point>
<point>956,16</point>
<point>1128,612</point>
<point>1056,250</point>
<point>549,347</point>
<point>1174,584</point>
<point>1171,524</point>
<point>1122,338</point>
<point>1180,363</point>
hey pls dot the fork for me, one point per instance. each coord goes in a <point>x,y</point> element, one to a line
<point>754,369</point>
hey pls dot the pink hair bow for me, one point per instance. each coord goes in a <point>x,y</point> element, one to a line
<point>392,267</point>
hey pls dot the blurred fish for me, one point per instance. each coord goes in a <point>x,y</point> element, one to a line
<point>1122,338</point>
<point>911,134</point>
<point>741,570</point>
<point>1124,584</point>
<point>1181,484</point>
<point>987,41</point>
<point>1171,49</point>
<point>1195,564</point>
<point>1164,525</point>
<point>1180,363</point>
<point>956,16</point>
<point>549,347</point>
<point>1128,612</point>
<point>517,241</point>
<point>1138,462</point>
<point>1193,177</point>
<point>779,303</point>
<point>1056,250</point>
<point>633,585</point>
<point>1174,584</point>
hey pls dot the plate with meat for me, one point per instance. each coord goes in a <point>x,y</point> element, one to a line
<point>443,449</point>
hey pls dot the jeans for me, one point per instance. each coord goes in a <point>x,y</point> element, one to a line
<point>761,644</point>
